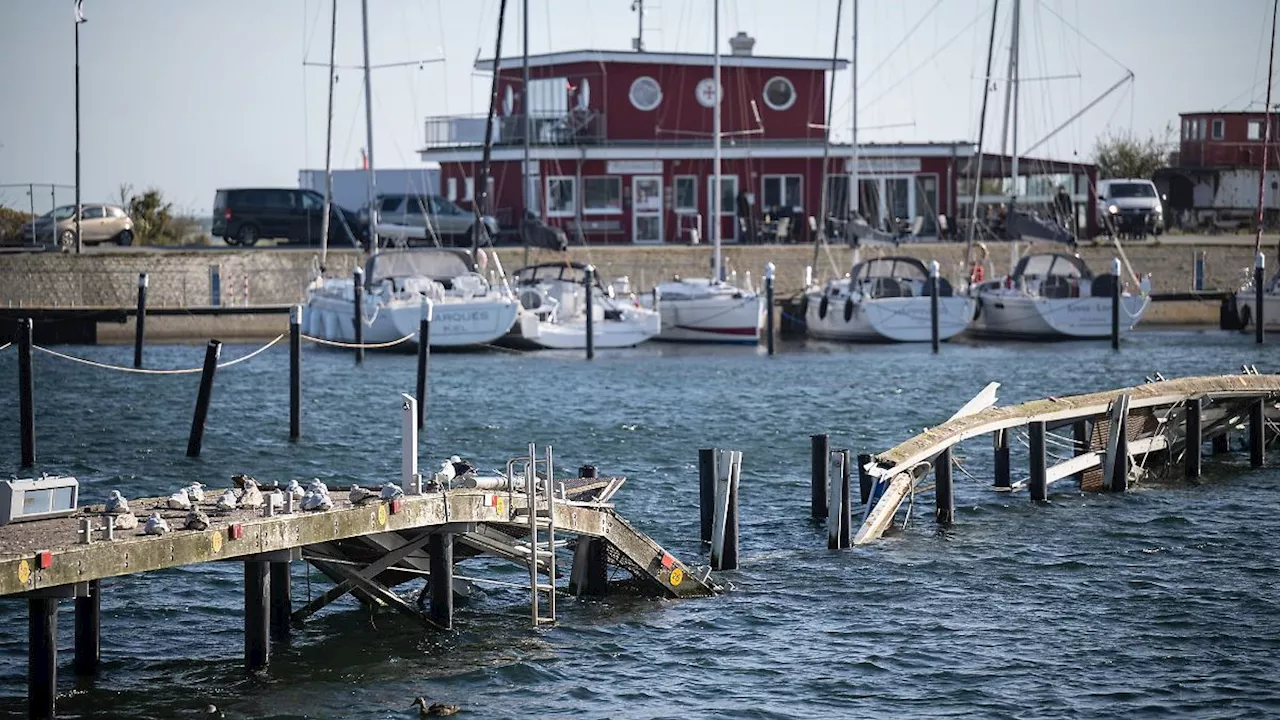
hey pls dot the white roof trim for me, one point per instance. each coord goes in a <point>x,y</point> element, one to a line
<point>741,152</point>
<point>651,58</point>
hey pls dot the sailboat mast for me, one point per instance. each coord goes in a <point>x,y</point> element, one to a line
<point>982,131</point>
<point>855,194</point>
<point>525,194</point>
<point>1266,131</point>
<point>1013,82</point>
<point>481,206</point>
<point>717,192</point>
<point>826,137</point>
<point>368,128</point>
<point>328,144</point>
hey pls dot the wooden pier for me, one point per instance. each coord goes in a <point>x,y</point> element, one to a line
<point>1114,436</point>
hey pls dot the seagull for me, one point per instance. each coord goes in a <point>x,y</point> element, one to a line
<point>195,491</point>
<point>241,480</point>
<point>317,486</point>
<point>391,491</point>
<point>127,521</point>
<point>295,490</point>
<point>359,494</point>
<point>116,504</point>
<point>434,709</point>
<point>447,472</point>
<point>316,501</point>
<point>461,468</point>
<point>180,500</point>
<point>226,501</point>
<point>252,497</point>
<point>155,525</point>
<point>197,520</point>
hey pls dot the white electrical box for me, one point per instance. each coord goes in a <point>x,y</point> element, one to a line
<point>36,499</point>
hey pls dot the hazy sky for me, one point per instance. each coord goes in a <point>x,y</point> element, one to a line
<point>189,95</point>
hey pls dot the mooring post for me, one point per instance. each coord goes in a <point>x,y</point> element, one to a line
<point>588,279</point>
<point>865,481</point>
<point>1001,441</point>
<point>196,439</point>
<point>281,600</point>
<point>1115,304</point>
<point>42,656</point>
<point>295,373</point>
<point>357,317</point>
<point>724,532</point>
<point>933,306</point>
<point>819,483</point>
<point>1197,279</point>
<point>590,574</point>
<point>89,629</point>
<point>846,500</point>
<point>410,478</point>
<point>424,358</point>
<point>1115,474</point>
<point>1038,483</point>
<point>440,552</point>
<point>1080,434</point>
<point>1257,432</point>
<point>1259,297</point>
<point>944,493</point>
<point>1195,437</point>
<point>140,324</point>
<point>257,646</point>
<point>838,514</point>
<point>706,489</point>
<point>769,271</point>
<point>27,394</point>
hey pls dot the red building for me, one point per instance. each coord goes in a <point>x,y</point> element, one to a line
<point>1226,140</point>
<point>621,150</point>
<point>1213,182</point>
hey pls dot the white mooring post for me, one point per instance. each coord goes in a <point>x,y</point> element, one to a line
<point>410,480</point>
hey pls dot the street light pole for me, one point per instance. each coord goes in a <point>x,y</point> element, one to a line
<point>79,20</point>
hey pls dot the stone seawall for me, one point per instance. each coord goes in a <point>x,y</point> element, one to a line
<point>185,278</point>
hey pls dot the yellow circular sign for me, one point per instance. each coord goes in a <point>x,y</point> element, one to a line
<point>382,514</point>
<point>499,506</point>
<point>677,577</point>
<point>24,571</point>
<point>215,541</point>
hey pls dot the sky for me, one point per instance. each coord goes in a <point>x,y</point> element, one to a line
<point>189,96</point>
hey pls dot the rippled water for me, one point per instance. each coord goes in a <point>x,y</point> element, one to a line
<point>1161,602</point>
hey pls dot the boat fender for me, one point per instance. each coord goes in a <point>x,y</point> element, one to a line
<point>1008,282</point>
<point>822,308</point>
<point>848,309</point>
<point>975,274</point>
<point>1246,317</point>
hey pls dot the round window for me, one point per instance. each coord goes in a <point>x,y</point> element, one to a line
<point>645,93</point>
<point>779,93</point>
<point>707,92</point>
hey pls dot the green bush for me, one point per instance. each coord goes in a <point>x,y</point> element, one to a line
<point>11,222</point>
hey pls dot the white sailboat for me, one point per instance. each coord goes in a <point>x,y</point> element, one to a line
<point>397,283</point>
<point>1246,305</point>
<point>553,298</point>
<point>1247,298</point>
<point>709,310</point>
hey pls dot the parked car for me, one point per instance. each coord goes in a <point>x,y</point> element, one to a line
<point>242,216</point>
<point>424,217</point>
<point>99,223</point>
<point>1130,207</point>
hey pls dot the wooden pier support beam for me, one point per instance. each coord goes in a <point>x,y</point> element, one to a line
<point>590,574</point>
<point>26,394</point>
<point>944,497</point>
<point>1257,432</point>
<point>1000,438</point>
<point>257,646</point>
<point>1195,437</point>
<point>89,630</point>
<point>706,490</point>
<point>865,481</point>
<point>42,656</point>
<point>1038,482</point>
<point>819,481</point>
<point>196,440</point>
<point>281,600</point>
<point>440,552</point>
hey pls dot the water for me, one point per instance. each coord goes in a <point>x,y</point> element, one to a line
<point>1160,602</point>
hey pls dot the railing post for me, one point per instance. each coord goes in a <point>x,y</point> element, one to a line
<point>1257,433</point>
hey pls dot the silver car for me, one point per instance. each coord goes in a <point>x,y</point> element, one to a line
<point>426,217</point>
<point>99,223</point>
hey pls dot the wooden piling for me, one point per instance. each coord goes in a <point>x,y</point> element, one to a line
<point>257,647</point>
<point>440,552</point>
<point>357,317</point>
<point>1038,482</point>
<point>944,497</point>
<point>42,656</point>
<point>1259,297</point>
<point>1115,304</point>
<point>865,481</point>
<point>588,278</point>
<point>590,574</point>
<point>933,307</point>
<point>1257,433</point>
<point>1195,438</point>
<point>88,648</point>
<point>281,599</point>
<point>26,393</point>
<point>768,305</point>
<point>424,360</point>
<point>706,490</point>
<point>1002,469</point>
<point>295,373</point>
<point>729,552</point>
<point>139,326</point>
<point>1222,443</point>
<point>839,513</point>
<point>196,439</point>
<point>1115,473</point>
<point>819,481</point>
<point>846,501</point>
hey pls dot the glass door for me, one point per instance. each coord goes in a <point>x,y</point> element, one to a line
<point>728,207</point>
<point>646,208</point>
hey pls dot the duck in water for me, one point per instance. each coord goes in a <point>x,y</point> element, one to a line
<point>434,709</point>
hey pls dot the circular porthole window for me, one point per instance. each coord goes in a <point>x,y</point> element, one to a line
<point>779,93</point>
<point>645,93</point>
<point>707,92</point>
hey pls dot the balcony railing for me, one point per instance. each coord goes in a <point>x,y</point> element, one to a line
<point>578,127</point>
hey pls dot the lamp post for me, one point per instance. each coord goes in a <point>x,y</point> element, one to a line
<point>80,19</point>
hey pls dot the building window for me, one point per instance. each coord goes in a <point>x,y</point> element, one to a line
<point>1218,128</point>
<point>471,189</point>
<point>686,194</point>
<point>1255,130</point>
<point>779,93</point>
<point>728,195</point>
<point>645,93</point>
<point>708,93</point>
<point>452,185</point>
<point>781,191</point>
<point>549,97</point>
<point>601,195</point>
<point>562,196</point>
<point>1200,129</point>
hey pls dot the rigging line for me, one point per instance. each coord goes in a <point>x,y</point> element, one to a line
<point>444,57</point>
<point>1087,39</point>
<point>5,346</point>
<point>903,41</point>
<point>938,50</point>
<point>309,36</point>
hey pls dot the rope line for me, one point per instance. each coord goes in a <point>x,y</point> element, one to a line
<point>144,371</point>
<point>366,346</point>
<point>5,346</point>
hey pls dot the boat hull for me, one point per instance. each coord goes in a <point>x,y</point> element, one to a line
<point>1036,318</point>
<point>891,319</point>
<point>454,324</point>
<point>531,332</point>
<point>1246,300</point>
<point>716,319</point>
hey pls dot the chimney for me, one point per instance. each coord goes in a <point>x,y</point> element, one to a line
<point>741,44</point>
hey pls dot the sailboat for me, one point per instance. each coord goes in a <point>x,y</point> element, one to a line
<point>397,283</point>
<point>709,310</point>
<point>885,299</point>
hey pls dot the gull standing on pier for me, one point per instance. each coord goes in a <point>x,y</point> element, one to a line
<point>116,504</point>
<point>155,525</point>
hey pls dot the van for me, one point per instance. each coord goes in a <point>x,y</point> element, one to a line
<point>242,216</point>
<point>1130,207</point>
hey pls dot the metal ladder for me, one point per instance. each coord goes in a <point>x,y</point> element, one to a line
<point>542,534</point>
